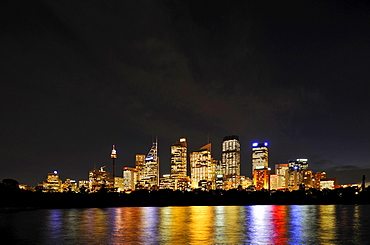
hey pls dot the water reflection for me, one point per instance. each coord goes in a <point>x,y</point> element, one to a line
<point>259,224</point>
<point>270,224</point>
<point>279,224</point>
<point>229,224</point>
<point>302,224</point>
<point>201,225</point>
<point>327,224</point>
<point>149,228</point>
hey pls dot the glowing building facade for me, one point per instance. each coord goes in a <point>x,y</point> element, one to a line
<point>167,182</point>
<point>308,178</point>
<point>273,182</point>
<point>99,179</point>
<point>69,186</point>
<point>52,183</point>
<point>328,183</point>
<point>149,174</point>
<point>83,186</point>
<point>139,165</point>
<point>318,177</point>
<point>281,171</point>
<point>130,178</point>
<point>230,165</point>
<point>261,179</point>
<point>203,169</point>
<point>260,159</point>
<point>295,173</point>
<point>179,157</point>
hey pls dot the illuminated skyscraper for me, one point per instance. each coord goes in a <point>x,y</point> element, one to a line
<point>167,182</point>
<point>230,166</point>
<point>281,171</point>
<point>179,159</point>
<point>261,179</point>
<point>260,156</point>
<point>308,178</point>
<point>130,178</point>
<point>99,179</point>
<point>295,177</point>
<point>69,185</point>
<point>273,182</point>
<point>298,164</point>
<point>202,168</point>
<point>139,164</point>
<point>318,177</point>
<point>53,183</point>
<point>149,174</point>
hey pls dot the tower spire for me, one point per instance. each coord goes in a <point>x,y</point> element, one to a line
<point>113,156</point>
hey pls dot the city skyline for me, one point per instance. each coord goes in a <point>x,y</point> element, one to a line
<point>208,173</point>
<point>74,82</point>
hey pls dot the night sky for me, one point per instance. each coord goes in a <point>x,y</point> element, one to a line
<point>79,76</point>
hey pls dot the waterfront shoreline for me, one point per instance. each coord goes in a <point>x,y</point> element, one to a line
<point>33,200</point>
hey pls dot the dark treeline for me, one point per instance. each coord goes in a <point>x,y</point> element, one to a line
<point>18,199</point>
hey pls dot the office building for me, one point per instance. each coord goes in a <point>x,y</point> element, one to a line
<point>260,159</point>
<point>295,173</point>
<point>166,182</point>
<point>261,179</point>
<point>139,165</point>
<point>83,186</point>
<point>281,171</point>
<point>246,182</point>
<point>69,186</point>
<point>328,184</point>
<point>99,180</point>
<point>118,184</point>
<point>149,174</point>
<point>308,179</point>
<point>273,182</point>
<point>203,169</point>
<point>318,177</point>
<point>179,157</point>
<point>130,178</point>
<point>230,165</point>
<point>52,183</point>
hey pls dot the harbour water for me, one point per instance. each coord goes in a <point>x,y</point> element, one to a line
<point>255,224</point>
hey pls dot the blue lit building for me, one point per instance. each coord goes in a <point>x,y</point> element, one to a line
<point>260,156</point>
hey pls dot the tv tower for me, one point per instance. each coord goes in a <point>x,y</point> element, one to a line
<point>113,156</point>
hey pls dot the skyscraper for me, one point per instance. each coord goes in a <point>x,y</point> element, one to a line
<point>260,157</point>
<point>295,177</point>
<point>261,179</point>
<point>281,170</point>
<point>53,183</point>
<point>99,179</point>
<point>179,159</point>
<point>139,162</point>
<point>202,168</point>
<point>150,172</point>
<point>308,178</point>
<point>318,177</point>
<point>130,178</point>
<point>230,166</point>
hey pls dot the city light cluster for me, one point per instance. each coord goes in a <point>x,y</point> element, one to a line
<point>198,171</point>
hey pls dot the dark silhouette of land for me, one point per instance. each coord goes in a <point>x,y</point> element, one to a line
<point>14,199</point>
